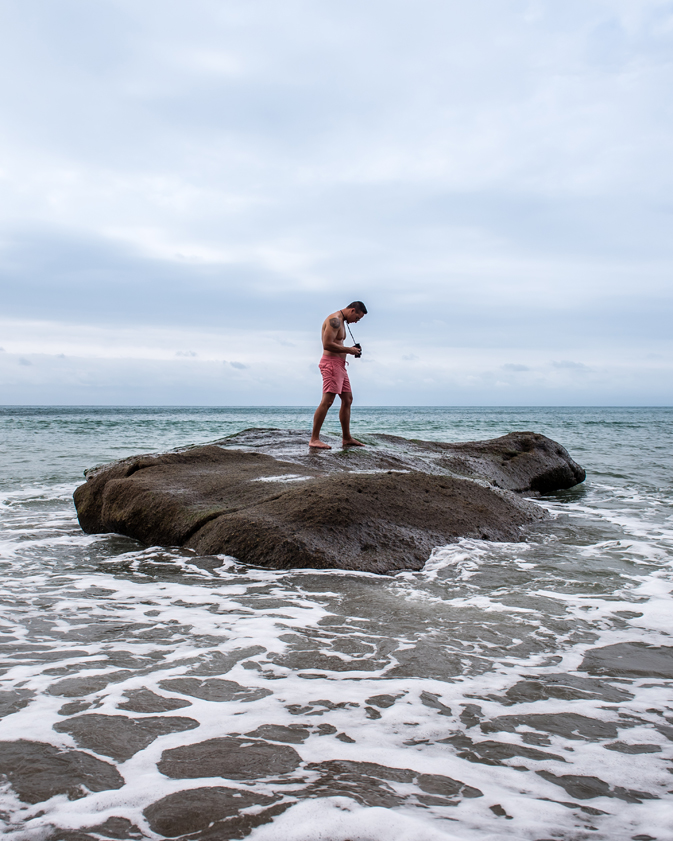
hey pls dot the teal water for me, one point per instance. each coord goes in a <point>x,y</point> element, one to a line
<point>476,669</point>
<point>36,442</point>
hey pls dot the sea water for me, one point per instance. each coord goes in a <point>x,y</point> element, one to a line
<point>537,676</point>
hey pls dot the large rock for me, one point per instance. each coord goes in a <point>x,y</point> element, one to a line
<point>261,497</point>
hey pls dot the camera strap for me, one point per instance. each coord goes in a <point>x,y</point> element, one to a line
<point>348,326</point>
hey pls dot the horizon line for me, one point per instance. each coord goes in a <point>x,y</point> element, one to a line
<point>312,406</point>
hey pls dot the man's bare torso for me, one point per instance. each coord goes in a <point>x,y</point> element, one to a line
<point>333,326</point>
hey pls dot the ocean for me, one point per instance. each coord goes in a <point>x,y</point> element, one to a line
<point>515,690</point>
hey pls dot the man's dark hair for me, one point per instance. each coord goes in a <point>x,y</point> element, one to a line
<point>359,306</point>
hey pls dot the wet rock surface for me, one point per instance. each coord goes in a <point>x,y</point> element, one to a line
<point>490,752</point>
<point>76,687</point>
<point>11,702</point>
<point>375,785</point>
<point>38,771</point>
<point>215,812</point>
<point>622,747</point>
<point>116,827</point>
<point>213,689</point>
<point>568,725</point>
<point>210,812</point>
<point>146,701</point>
<point>563,686</point>
<point>295,733</point>
<point>119,736</point>
<point>261,496</point>
<point>230,757</point>
<point>585,788</point>
<point>110,830</point>
<point>630,659</point>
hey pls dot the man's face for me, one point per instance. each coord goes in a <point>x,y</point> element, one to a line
<point>354,316</point>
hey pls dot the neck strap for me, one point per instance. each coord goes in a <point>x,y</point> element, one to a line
<point>348,326</point>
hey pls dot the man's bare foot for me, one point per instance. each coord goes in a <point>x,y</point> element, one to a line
<point>351,443</point>
<point>317,444</point>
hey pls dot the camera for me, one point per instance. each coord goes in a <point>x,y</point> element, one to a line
<point>359,347</point>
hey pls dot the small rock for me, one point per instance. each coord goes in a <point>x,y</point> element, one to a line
<point>119,736</point>
<point>214,689</point>
<point>38,771</point>
<point>145,701</point>
<point>630,659</point>
<point>197,809</point>
<point>229,757</point>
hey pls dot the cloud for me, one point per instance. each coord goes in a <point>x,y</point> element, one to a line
<point>489,178</point>
<point>239,365</point>
<point>511,366</point>
<point>189,353</point>
<point>446,379</point>
<point>24,361</point>
<point>572,366</point>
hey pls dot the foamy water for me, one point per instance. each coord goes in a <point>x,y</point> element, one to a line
<point>506,690</point>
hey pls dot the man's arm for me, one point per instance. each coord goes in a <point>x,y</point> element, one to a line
<point>329,338</point>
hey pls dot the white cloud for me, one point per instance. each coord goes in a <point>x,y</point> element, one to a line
<point>491,178</point>
<point>570,365</point>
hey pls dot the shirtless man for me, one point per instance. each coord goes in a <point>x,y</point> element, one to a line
<point>334,377</point>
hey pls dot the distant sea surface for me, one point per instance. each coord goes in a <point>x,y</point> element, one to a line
<point>516,691</point>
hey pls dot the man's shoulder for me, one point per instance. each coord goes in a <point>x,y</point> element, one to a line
<point>334,319</point>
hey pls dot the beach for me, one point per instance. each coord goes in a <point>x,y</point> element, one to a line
<point>517,690</point>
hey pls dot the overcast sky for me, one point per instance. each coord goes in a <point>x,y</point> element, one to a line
<point>188,188</point>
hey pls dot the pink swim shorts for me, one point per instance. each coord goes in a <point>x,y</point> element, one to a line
<point>334,377</point>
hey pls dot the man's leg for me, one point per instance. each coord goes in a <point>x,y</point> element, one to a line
<point>345,418</point>
<point>319,419</point>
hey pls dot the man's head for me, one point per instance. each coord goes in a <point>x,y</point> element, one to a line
<point>354,311</point>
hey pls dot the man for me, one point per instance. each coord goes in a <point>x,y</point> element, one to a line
<point>334,377</point>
